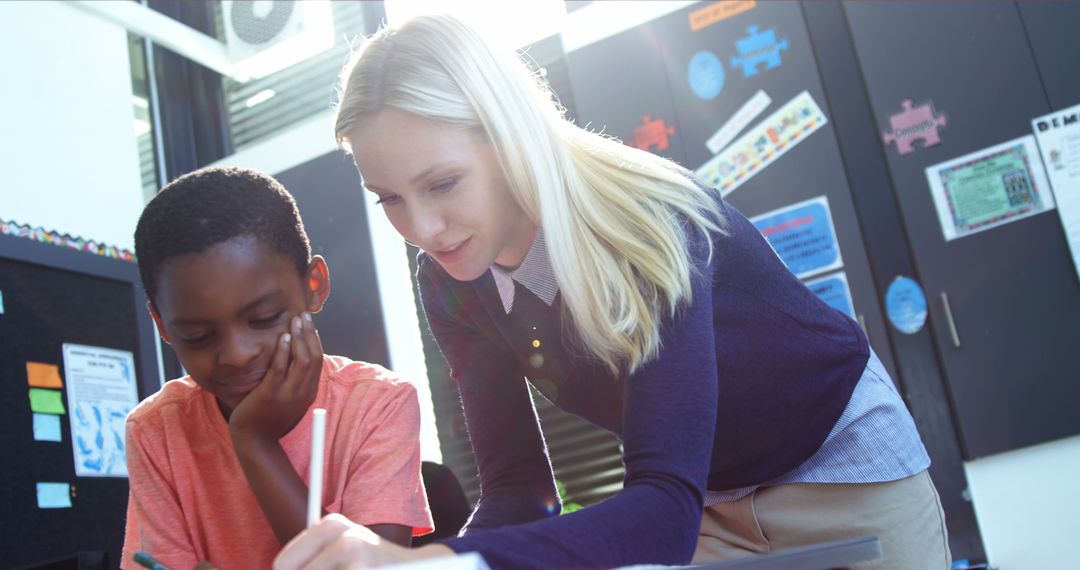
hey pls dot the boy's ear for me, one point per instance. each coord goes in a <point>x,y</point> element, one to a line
<point>318,284</point>
<point>157,322</point>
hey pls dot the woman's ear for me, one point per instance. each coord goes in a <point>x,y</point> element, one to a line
<point>318,284</point>
<point>157,322</point>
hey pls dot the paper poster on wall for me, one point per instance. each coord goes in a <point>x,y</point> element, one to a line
<point>905,305</point>
<point>54,495</point>
<point>47,427</point>
<point>989,187</point>
<point>1058,135</point>
<point>834,290</point>
<point>101,391</point>
<point>652,134</point>
<point>915,124</point>
<point>802,236</point>
<point>759,50</point>
<point>731,129</point>
<point>763,144</point>
<point>706,75</point>
<point>718,11</point>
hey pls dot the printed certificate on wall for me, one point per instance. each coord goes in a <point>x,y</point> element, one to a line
<point>989,188</point>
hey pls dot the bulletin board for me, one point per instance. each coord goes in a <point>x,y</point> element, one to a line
<point>52,295</point>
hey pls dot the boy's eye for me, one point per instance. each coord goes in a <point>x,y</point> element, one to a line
<point>267,321</point>
<point>195,340</point>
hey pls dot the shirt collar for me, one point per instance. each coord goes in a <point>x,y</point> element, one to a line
<point>534,273</point>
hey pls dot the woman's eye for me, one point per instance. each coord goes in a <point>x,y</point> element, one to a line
<point>444,185</point>
<point>386,200</point>
<point>267,321</point>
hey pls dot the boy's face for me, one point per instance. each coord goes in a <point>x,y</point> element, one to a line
<point>224,309</point>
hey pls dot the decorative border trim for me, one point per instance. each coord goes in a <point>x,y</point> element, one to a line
<point>64,240</point>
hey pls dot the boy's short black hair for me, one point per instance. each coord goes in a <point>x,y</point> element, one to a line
<point>214,205</point>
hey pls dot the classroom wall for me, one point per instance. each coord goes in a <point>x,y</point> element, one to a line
<point>1026,502</point>
<point>68,146</point>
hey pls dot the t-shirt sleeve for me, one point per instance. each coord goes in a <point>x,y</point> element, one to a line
<point>155,521</point>
<point>384,484</point>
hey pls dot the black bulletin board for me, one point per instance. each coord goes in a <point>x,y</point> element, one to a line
<point>332,203</point>
<point>51,296</point>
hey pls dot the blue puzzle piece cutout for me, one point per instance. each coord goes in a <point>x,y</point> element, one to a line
<point>758,48</point>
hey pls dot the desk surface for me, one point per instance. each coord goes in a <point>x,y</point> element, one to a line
<point>824,556</point>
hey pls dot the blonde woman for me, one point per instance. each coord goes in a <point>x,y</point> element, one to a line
<point>753,416</point>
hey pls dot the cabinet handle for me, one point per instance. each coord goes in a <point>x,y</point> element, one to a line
<point>949,319</point>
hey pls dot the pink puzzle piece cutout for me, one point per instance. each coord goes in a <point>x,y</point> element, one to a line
<point>652,132</point>
<point>915,124</point>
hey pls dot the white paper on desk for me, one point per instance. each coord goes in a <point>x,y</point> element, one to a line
<point>1058,135</point>
<point>466,561</point>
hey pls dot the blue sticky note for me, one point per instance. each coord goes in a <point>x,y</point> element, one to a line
<point>834,291</point>
<point>54,496</point>
<point>46,427</point>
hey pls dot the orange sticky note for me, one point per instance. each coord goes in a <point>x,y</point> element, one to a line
<point>717,11</point>
<point>43,375</point>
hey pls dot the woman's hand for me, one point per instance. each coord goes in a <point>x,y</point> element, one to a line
<point>289,388</point>
<point>337,542</point>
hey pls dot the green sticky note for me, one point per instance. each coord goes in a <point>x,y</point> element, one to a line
<point>45,401</point>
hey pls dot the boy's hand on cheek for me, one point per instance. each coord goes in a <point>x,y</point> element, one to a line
<point>280,401</point>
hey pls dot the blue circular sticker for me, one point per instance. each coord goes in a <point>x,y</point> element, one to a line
<point>706,75</point>
<point>905,304</point>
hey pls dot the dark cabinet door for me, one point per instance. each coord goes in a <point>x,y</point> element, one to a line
<point>649,71</point>
<point>1010,292</point>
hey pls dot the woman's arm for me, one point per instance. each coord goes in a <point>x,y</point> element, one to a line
<point>516,480</point>
<point>669,419</point>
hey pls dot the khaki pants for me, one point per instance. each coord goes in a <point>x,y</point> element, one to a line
<point>904,515</point>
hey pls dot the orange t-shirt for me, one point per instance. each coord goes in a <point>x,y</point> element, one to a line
<point>189,498</point>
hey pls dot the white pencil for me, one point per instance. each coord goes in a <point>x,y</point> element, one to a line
<point>318,437</point>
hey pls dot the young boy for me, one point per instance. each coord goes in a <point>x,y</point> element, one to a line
<point>215,458</point>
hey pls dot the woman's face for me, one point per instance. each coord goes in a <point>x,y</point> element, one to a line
<point>443,190</point>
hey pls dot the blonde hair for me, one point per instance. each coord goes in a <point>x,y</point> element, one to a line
<point>615,219</point>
